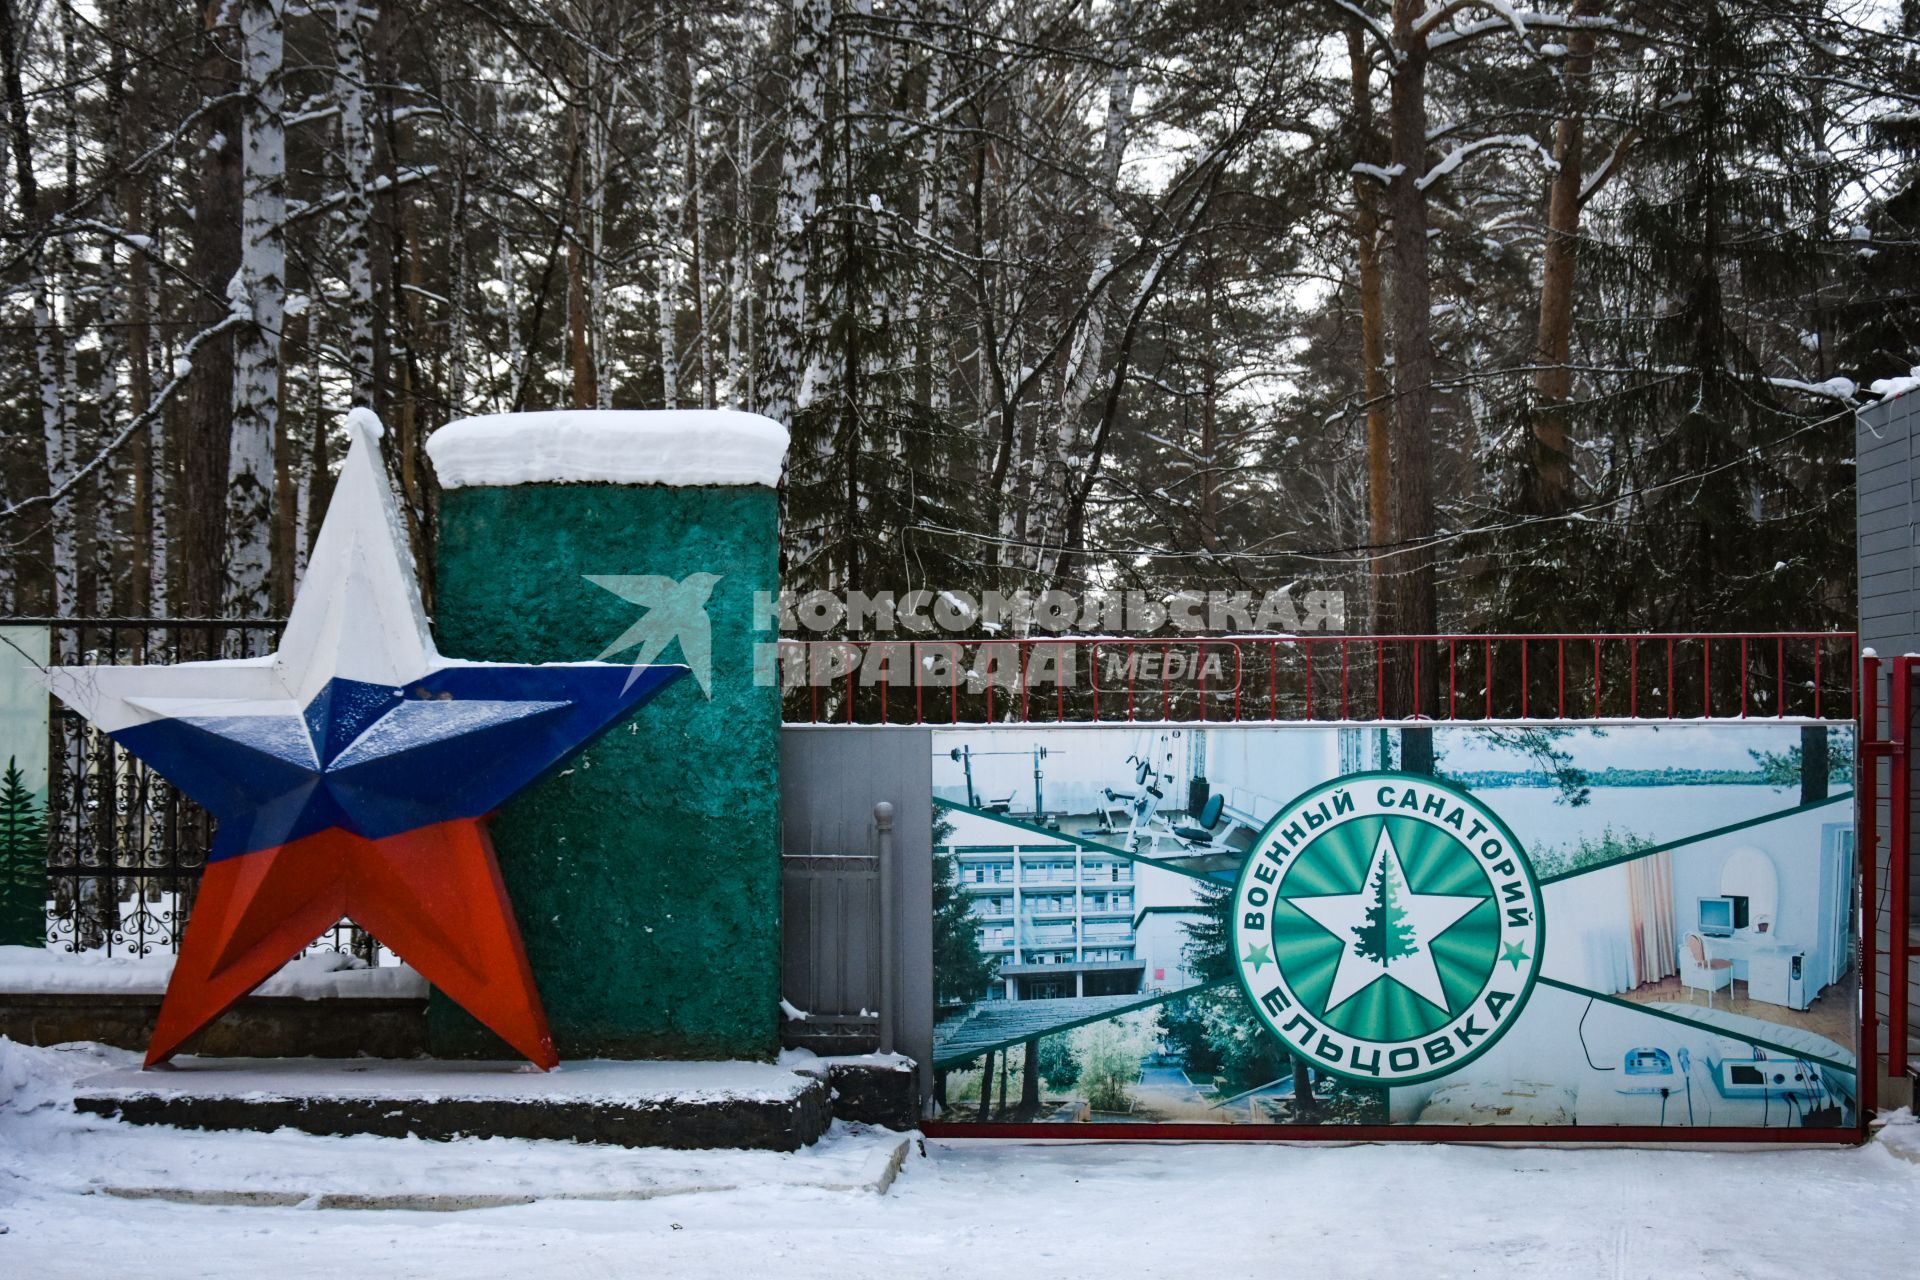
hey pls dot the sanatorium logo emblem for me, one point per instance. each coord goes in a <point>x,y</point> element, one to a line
<point>1387,927</point>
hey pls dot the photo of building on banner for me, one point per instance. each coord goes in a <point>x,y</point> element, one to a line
<point>1621,925</point>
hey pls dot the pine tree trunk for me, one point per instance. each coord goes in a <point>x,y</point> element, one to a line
<point>1209,356</point>
<point>696,233</point>
<point>408,435</point>
<point>33,465</point>
<point>666,208</point>
<point>1815,764</point>
<point>1409,571</point>
<point>1305,1105</point>
<point>289,482</point>
<point>509,277</point>
<point>462,281</point>
<point>216,256</point>
<point>1373,322</point>
<point>13,38</point>
<point>139,398</point>
<point>1552,463</point>
<point>319,473</point>
<point>579,350</point>
<point>143,555</point>
<point>163,486</point>
<point>598,343</point>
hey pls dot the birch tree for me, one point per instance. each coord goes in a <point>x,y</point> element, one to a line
<point>784,388</point>
<point>257,291</point>
<point>352,19</point>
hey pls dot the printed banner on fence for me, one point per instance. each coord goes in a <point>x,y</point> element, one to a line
<point>1535,925</point>
<point>23,786</point>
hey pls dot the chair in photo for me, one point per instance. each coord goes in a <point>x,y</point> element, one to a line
<point>1198,832</point>
<point>1699,971</point>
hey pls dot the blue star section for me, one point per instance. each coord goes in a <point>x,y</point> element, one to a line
<point>379,760</point>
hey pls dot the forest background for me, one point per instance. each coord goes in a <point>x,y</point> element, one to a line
<point>1488,317</point>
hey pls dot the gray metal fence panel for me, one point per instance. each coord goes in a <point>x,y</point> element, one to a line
<point>1887,455</point>
<point>842,870</point>
<point>1884,454</point>
<point>831,951</point>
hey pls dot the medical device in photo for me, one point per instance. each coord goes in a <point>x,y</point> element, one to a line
<point>1766,1078</point>
<point>1648,1062</point>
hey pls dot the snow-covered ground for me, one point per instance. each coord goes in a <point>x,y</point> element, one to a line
<point>963,1208</point>
<point>319,976</point>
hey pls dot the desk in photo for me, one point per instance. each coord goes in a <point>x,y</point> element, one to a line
<point>1775,973</point>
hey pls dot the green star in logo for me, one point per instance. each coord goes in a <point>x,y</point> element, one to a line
<point>1369,921</point>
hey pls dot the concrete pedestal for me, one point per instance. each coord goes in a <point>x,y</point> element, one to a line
<point>690,1106</point>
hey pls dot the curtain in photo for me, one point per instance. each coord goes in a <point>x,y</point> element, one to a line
<point>1650,903</point>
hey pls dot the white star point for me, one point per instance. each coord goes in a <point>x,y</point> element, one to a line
<point>1428,915</point>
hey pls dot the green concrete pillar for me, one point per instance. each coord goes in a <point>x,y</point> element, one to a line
<point>646,877</point>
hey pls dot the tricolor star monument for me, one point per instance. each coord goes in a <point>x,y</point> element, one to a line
<point>1387,928</point>
<point>351,773</point>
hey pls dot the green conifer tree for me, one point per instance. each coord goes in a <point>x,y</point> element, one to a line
<point>1712,491</point>
<point>962,972</point>
<point>23,862</point>
<point>1386,936</point>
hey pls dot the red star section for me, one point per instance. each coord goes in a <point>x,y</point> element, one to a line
<point>432,895</point>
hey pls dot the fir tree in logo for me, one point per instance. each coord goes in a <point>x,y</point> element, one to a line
<point>1386,935</point>
<point>23,862</point>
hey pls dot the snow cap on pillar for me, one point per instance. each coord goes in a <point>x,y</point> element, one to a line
<point>677,447</point>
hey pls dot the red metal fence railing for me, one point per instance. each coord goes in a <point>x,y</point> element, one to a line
<point>1886,885</point>
<point>1662,676</point>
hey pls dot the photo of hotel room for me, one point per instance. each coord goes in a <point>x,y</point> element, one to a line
<point>1698,966</point>
<point>1753,923</point>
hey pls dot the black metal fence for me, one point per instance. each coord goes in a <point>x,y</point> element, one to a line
<point>125,849</point>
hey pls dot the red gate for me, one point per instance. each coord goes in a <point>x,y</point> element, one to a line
<point>1887,723</point>
<point>1491,679</point>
